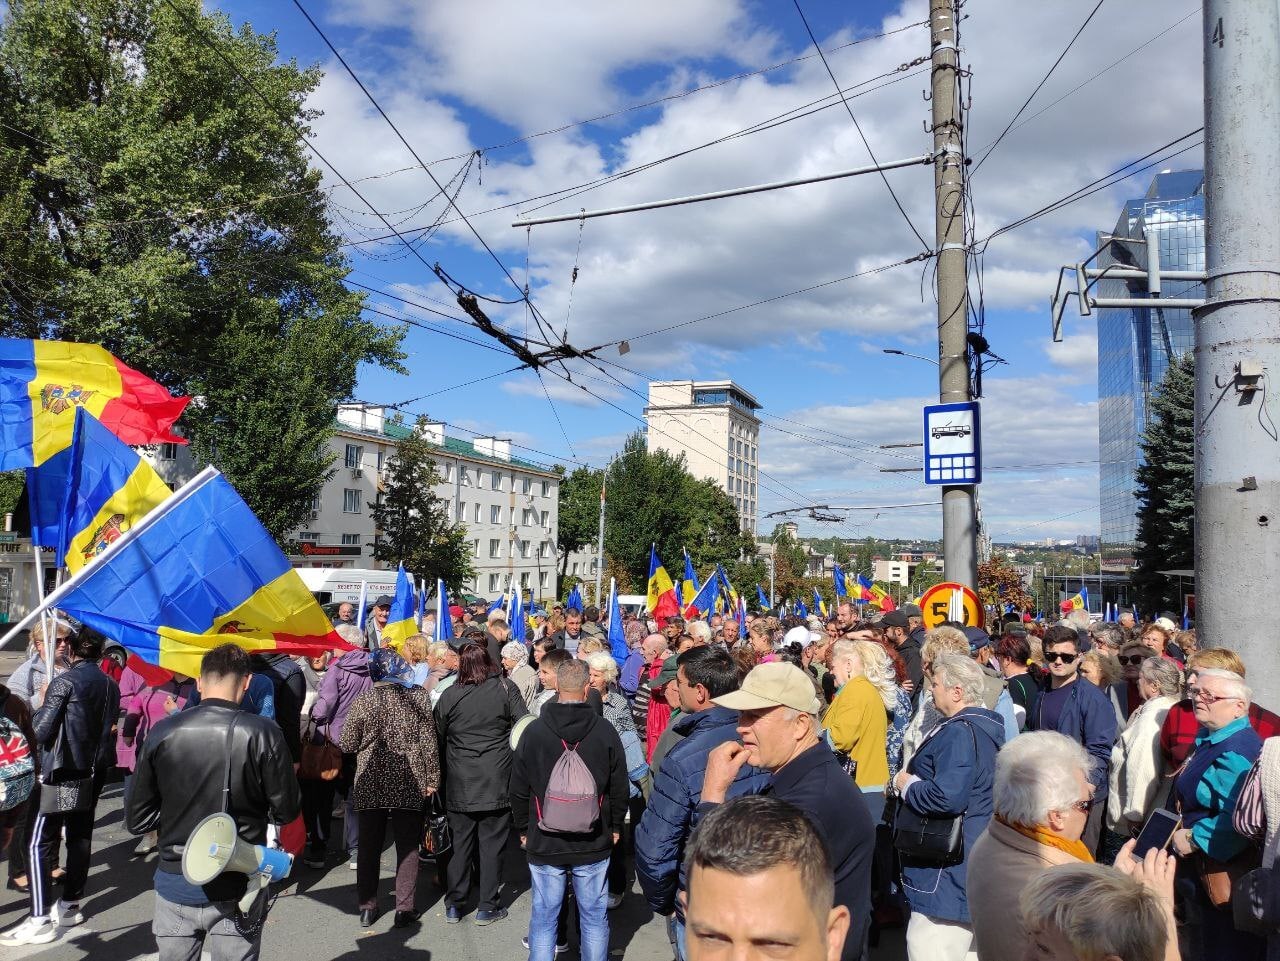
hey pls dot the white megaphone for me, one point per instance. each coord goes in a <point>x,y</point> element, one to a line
<point>215,846</point>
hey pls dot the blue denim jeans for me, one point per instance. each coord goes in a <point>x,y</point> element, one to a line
<point>590,888</point>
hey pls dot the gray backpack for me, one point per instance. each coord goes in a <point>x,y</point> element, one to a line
<point>571,805</point>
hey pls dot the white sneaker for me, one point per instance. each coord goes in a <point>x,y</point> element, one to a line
<point>30,931</point>
<point>67,915</point>
<point>352,863</point>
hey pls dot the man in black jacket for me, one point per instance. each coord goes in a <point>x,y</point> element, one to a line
<point>778,723</point>
<point>555,858</point>
<point>179,782</point>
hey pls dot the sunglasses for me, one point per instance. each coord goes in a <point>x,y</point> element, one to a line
<point>1051,656</point>
<point>1133,659</point>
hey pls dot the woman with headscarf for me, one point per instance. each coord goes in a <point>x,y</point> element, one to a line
<point>474,717</point>
<point>391,731</point>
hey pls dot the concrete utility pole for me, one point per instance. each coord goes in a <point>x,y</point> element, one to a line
<point>959,520</point>
<point>1237,339</point>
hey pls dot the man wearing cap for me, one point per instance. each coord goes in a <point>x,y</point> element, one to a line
<point>897,630</point>
<point>703,674</point>
<point>377,621</point>
<point>778,725</point>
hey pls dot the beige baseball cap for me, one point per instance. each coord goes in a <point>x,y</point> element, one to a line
<point>778,684</point>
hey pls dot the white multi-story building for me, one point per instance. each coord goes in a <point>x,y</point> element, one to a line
<point>509,507</point>
<point>713,423</point>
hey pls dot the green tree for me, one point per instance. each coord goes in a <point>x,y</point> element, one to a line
<point>11,482</point>
<point>1000,584</point>
<point>579,516</point>
<point>152,202</point>
<point>789,566</point>
<point>1166,487</point>
<point>653,499</point>
<point>413,522</point>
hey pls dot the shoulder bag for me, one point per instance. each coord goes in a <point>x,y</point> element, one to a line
<point>930,840</point>
<point>321,758</point>
<point>63,793</point>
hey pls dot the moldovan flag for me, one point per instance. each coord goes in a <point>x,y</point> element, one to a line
<point>402,618</point>
<point>197,572</point>
<point>865,588</point>
<point>43,382</point>
<point>881,597</point>
<point>819,605</point>
<point>84,498</point>
<point>661,602</point>
<point>704,600</point>
<point>1078,603</point>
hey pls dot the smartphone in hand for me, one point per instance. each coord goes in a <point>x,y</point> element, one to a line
<point>1157,832</point>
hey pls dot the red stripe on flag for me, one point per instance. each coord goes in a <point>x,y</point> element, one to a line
<point>145,412</point>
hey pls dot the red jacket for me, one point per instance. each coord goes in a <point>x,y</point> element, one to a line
<point>1178,734</point>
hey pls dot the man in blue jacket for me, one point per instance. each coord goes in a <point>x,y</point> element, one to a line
<point>1080,711</point>
<point>703,673</point>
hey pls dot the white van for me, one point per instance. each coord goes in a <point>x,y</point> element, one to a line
<point>334,585</point>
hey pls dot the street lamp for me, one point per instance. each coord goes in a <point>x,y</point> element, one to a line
<point>903,353</point>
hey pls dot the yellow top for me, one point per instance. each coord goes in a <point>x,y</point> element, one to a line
<point>859,726</point>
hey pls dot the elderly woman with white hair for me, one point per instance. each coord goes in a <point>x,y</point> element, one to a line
<point>1137,764</point>
<point>949,778</point>
<point>515,659</point>
<point>1206,790</point>
<point>1040,803</point>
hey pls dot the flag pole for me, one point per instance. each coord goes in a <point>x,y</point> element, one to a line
<point>51,600</point>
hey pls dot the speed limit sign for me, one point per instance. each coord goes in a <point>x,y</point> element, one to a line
<point>949,601</point>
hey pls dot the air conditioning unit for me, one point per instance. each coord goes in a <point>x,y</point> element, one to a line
<point>315,515</point>
<point>356,473</point>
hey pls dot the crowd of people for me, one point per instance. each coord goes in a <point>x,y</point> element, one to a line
<point>797,783</point>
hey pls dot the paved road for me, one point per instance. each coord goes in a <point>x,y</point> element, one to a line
<point>313,919</point>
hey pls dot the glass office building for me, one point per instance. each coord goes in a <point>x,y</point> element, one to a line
<point>1135,345</point>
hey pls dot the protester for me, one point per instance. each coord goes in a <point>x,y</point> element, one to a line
<point>377,621</point>
<point>345,680</point>
<point>391,732</point>
<point>289,689</point>
<point>1088,912</point>
<point>1040,804</point>
<point>729,631</point>
<point>857,722</point>
<point>1080,711</point>
<point>1107,637</point>
<point>1126,693</point>
<point>346,614</point>
<point>416,650</point>
<point>1178,733</point>
<point>941,640</point>
<point>548,667</point>
<point>19,817</point>
<point>145,709</point>
<point>778,723</point>
<point>1257,819</point>
<point>664,704</point>
<point>198,762</point>
<point>515,660</point>
<point>496,633</point>
<point>704,673</point>
<point>1206,789</point>
<point>897,630</point>
<point>1138,773</point>
<point>571,634</point>
<point>996,689</point>
<point>1013,654</point>
<point>950,776</point>
<point>563,853</point>
<point>30,677</point>
<point>474,718</point>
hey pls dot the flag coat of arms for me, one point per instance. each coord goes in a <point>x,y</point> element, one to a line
<point>199,572</point>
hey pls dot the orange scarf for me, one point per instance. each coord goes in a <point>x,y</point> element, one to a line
<point>1038,834</point>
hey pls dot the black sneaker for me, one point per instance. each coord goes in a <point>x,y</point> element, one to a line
<point>489,917</point>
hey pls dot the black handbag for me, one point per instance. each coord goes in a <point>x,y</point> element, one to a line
<point>929,840</point>
<point>437,838</point>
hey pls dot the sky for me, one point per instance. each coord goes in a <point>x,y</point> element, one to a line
<point>778,291</point>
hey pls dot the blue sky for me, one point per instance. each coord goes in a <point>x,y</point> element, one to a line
<point>456,76</point>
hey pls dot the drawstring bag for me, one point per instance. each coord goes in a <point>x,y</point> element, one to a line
<point>570,805</point>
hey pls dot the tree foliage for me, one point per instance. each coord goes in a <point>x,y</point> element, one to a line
<point>579,516</point>
<point>413,522</point>
<point>1000,584</point>
<point>652,498</point>
<point>1166,487</point>
<point>155,201</point>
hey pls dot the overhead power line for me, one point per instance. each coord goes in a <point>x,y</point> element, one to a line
<point>1043,81</point>
<point>857,126</point>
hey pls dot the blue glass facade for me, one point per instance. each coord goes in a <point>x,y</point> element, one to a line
<point>1135,345</point>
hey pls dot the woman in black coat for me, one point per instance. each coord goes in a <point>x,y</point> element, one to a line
<point>474,717</point>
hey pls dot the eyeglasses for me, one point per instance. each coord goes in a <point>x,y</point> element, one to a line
<point>1083,806</point>
<point>1200,694</point>
<point>1051,656</point>
<point>1134,659</point>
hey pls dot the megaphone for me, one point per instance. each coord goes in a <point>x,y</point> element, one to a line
<point>215,846</point>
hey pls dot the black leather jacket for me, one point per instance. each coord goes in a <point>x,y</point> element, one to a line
<point>81,705</point>
<point>179,777</point>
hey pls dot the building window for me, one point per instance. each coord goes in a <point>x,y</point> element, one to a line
<point>462,511</point>
<point>168,451</point>
<point>545,518</point>
<point>575,569</point>
<point>528,518</point>
<point>382,455</point>
<point>524,579</point>
<point>542,580</point>
<point>544,549</point>
<point>526,485</point>
<point>315,501</point>
<point>352,501</point>
<point>466,476</point>
<point>476,545</point>
<point>497,481</point>
<point>595,564</point>
<point>493,582</point>
<point>351,539</point>
<point>477,513</point>
<point>354,455</point>
<point>310,536</point>
<point>546,488</point>
<point>524,548</point>
<point>495,547</point>
<point>495,514</point>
